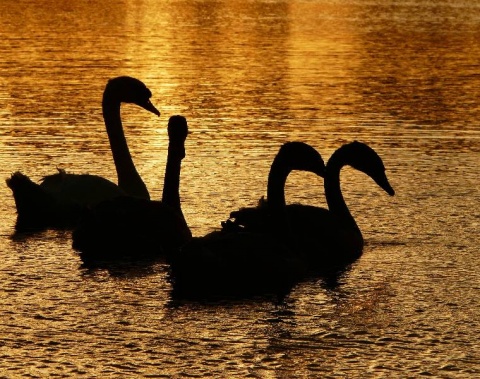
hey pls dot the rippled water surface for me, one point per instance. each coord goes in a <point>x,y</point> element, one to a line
<point>402,76</point>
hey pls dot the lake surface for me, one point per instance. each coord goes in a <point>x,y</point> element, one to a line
<point>402,76</point>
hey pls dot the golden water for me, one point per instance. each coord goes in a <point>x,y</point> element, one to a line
<point>402,76</point>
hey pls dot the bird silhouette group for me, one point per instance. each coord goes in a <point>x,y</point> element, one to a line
<point>263,249</point>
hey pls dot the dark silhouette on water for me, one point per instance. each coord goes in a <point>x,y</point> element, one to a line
<point>132,228</point>
<point>326,239</point>
<point>60,199</point>
<point>233,262</point>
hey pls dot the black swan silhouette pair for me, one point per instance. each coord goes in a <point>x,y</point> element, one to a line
<point>60,199</point>
<point>333,232</point>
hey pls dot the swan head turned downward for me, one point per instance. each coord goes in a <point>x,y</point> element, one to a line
<point>130,90</point>
<point>365,159</point>
<point>302,157</point>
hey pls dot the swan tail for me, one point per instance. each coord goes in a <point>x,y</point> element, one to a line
<point>33,203</point>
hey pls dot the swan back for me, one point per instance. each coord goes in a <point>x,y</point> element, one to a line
<point>71,188</point>
<point>129,227</point>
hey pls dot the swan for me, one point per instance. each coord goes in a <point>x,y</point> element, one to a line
<point>59,199</point>
<point>326,239</point>
<point>235,262</point>
<point>132,227</point>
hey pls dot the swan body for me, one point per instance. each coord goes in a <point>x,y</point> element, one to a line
<point>59,199</point>
<point>234,262</point>
<point>326,239</point>
<point>131,227</point>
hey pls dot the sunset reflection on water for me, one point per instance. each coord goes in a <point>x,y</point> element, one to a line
<point>401,76</point>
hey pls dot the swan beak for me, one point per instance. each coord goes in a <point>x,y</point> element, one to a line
<point>382,181</point>
<point>150,107</point>
<point>390,190</point>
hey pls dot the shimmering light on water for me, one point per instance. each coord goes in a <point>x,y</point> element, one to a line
<point>402,76</point>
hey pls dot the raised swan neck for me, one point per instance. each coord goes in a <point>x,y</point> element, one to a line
<point>171,184</point>
<point>336,202</point>
<point>277,178</point>
<point>128,178</point>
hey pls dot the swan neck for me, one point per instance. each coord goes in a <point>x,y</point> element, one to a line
<point>336,202</point>
<point>171,184</point>
<point>128,178</point>
<point>277,178</point>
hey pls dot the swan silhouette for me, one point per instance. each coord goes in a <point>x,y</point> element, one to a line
<point>326,239</point>
<point>132,227</point>
<point>59,200</point>
<point>234,262</point>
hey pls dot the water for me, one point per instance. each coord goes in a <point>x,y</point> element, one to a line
<point>402,76</point>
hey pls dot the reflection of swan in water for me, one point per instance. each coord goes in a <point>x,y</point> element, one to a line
<point>326,239</point>
<point>239,263</point>
<point>59,199</point>
<point>138,228</point>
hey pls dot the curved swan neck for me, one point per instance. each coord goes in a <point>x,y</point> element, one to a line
<point>336,202</point>
<point>277,178</point>
<point>171,184</point>
<point>128,178</point>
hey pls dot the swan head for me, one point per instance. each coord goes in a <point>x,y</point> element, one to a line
<point>178,132</point>
<point>363,158</point>
<point>302,157</point>
<point>125,89</point>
